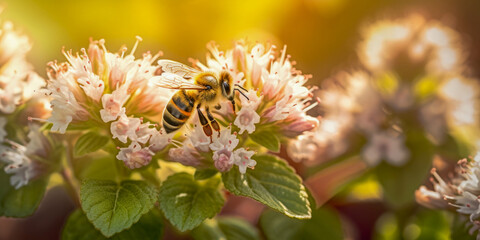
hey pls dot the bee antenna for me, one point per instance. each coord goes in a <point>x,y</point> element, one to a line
<point>238,85</point>
<point>243,94</point>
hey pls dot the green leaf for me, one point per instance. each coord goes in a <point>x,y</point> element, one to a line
<point>202,174</point>
<point>20,202</point>
<point>225,228</point>
<point>267,139</point>
<point>324,224</point>
<point>149,227</point>
<point>99,168</point>
<point>399,183</point>
<point>113,207</point>
<point>88,143</point>
<point>272,183</point>
<point>186,202</point>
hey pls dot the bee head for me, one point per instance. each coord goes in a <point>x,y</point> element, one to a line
<point>226,83</point>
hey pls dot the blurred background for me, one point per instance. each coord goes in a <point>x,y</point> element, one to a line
<point>321,35</point>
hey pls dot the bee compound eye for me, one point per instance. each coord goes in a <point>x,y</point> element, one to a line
<point>226,87</point>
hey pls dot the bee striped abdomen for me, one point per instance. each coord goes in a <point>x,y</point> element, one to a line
<point>177,111</point>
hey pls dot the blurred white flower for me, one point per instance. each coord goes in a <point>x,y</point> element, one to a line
<point>387,41</point>
<point>18,83</point>
<point>386,146</point>
<point>17,164</point>
<point>461,97</point>
<point>22,161</point>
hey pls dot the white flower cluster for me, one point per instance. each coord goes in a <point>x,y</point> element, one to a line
<point>276,92</point>
<point>275,96</point>
<point>412,67</point>
<point>22,161</point>
<point>352,105</point>
<point>18,102</point>
<point>100,88</point>
<point>18,82</point>
<point>114,91</point>
<point>462,191</point>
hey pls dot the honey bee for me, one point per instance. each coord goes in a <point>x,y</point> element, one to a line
<point>196,89</point>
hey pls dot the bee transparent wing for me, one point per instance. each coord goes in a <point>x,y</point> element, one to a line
<point>182,70</point>
<point>173,81</point>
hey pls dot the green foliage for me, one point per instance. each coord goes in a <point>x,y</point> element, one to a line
<point>90,142</point>
<point>324,224</point>
<point>113,207</point>
<point>459,228</point>
<point>267,138</point>
<point>428,224</point>
<point>417,224</point>
<point>225,228</point>
<point>400,183</point>
<point>149,227</point>
<point>20,202</point>
<point>202,174</point>
<point>101,168</point>
<point>273,183</point>
<point>186,202</point>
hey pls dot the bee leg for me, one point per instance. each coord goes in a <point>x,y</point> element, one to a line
<point>207,129</point>
<point>212,120</point>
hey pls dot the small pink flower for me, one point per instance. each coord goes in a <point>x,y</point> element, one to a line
<point>134,156</point>
<point>223,160</point>
<point>243,159</point>
<point>143,132</point>
<point>159,140</point>
<point>124,128</point>
<point>246,119</point>
<point>253,100</point>
<point>199,140</point>
<point>227,140</point>
<point>113,104</point>
<point>300,125</point>
<point>92,85</point>
<point>60,121</point>
<point>184,155</point>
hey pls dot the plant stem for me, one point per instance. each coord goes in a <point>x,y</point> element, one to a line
<point>70,183</point>
<point>70,186</point>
